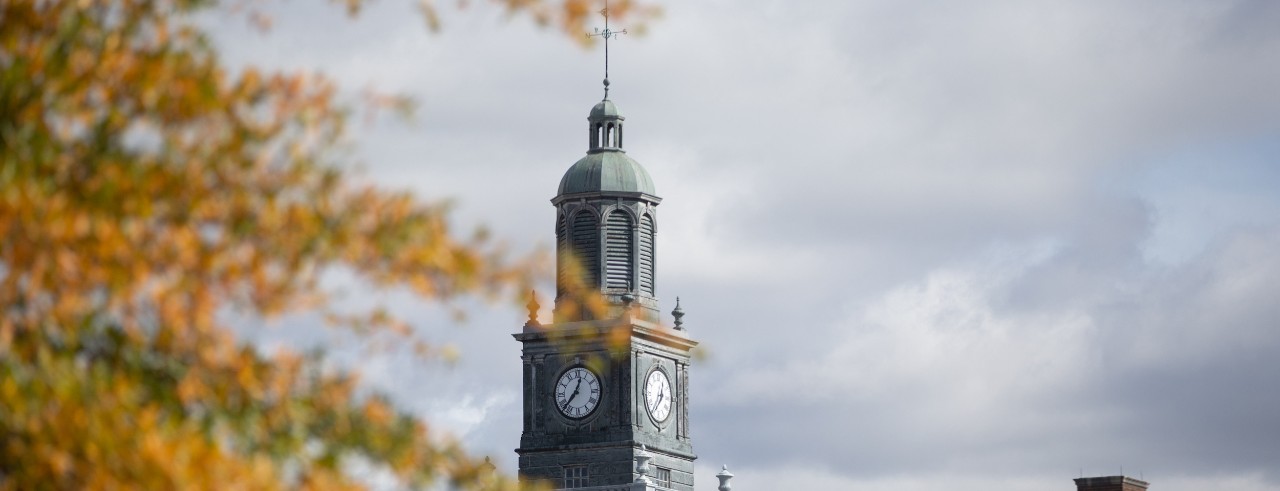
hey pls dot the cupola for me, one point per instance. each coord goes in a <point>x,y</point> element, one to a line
<point>605,127</point>
<point>607,217</point>
<point>606,167</point>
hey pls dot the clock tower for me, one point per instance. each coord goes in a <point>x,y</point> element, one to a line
<point>605,382</point>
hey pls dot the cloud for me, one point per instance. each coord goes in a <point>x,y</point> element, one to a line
<point>929,245</point>
<point>966,371</point>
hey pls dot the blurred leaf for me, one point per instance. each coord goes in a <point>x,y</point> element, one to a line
<point>145,188</point>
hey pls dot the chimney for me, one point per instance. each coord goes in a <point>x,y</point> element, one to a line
<point>1110,483</point>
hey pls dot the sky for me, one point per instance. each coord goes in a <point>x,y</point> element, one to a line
<point>925,245</point>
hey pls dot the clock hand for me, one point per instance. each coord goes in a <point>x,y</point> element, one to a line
<point>571,396</point>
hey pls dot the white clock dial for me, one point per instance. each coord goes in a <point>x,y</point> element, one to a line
<point>577,392</point>
<point>657,395</point>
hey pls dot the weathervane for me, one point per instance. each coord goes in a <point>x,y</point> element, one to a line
<point>606,34</point>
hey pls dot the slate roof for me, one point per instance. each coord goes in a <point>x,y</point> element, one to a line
<point>606,171</point>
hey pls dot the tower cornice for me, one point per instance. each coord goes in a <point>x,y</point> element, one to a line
<point>601,329</point>
<point>594,195</point>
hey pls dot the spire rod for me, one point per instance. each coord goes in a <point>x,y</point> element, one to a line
<point>606,34</point>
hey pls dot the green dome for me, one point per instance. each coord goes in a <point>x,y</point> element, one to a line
<point>604,109</point>
<point>606,171</point>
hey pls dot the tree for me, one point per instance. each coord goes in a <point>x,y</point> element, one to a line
<point>144,189</point>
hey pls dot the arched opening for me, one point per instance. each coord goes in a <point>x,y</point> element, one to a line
<point>647,257</point>
<point>562,253</point>
<point>608,135</point>
<point>618,251</point>
<point>586,247</point>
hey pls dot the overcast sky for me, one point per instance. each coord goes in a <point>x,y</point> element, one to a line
<point>926,245</point>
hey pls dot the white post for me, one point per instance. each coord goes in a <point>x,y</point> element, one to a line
<point>642,465</point>
<point>724,476</point>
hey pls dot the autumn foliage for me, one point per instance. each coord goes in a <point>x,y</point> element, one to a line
<point>146,190</point>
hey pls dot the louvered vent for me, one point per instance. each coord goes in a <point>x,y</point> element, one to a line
<point>562,248</point>
<point>618,256</point>
<point>586,245</point>
<point>646,255</point>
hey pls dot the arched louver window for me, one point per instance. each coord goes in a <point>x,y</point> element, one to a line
<point>618,254</point>
<point>586,246</point>
<point>646,255</point>
<point>562,248</point>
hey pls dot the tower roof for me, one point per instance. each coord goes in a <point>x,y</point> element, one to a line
<point>605,109</point>
<point>607,171</point>
<point>606,168</point>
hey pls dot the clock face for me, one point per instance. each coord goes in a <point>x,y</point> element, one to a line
<point>657,395</point>
<point>577,392</point>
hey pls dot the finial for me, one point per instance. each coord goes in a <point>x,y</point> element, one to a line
<point>606,34</point>
<point>724,476</point>
<point>642,464</point>
<point>678,313</point>
<point>533,308</point>
<point>627,299</point>
<point>487,470</point>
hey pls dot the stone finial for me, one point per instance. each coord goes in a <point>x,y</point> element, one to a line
<point>678,313</point>
<point>724,476</point>
<point>533,308</point>
<point>488,471</point>
<point>642,465</point>
<point>628,301</point>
